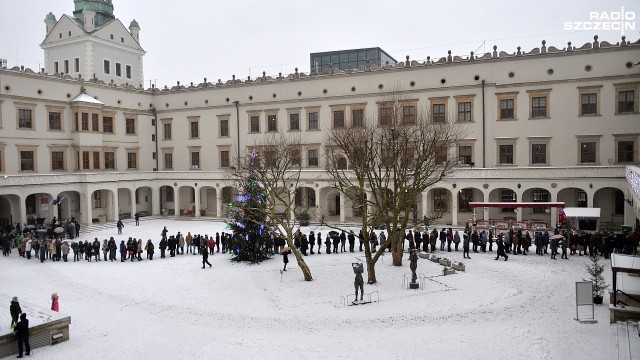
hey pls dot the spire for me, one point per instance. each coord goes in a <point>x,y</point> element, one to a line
<point>102,11</point>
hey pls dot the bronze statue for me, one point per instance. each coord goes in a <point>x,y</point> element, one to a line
<point>413,265</point>
<point>358,269</point>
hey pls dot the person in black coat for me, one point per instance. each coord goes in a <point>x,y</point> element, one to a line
<point>15,310</point>
<point>336,243</point>
<point>319,242</point>
<point>285,259</point>
<point>205,256</point>
<point>352,240</point>
<point>172,246</point>
<point>312,241</point>
<point>217,242</point>
<point>137,217</point>
<point>22,331</point>
<point>163,247</point>
<point>501,249</point>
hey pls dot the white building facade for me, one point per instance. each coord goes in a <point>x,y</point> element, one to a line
<point>547,125</point>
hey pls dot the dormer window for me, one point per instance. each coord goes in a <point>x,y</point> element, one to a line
<point>122,40</point>
<point>111,36</point>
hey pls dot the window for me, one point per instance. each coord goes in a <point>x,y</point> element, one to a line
<point>464,154</point>
<point>440,199</point>
<point>272,123</point>
<point>270,158</point>
<point>85,122</point>
<point>338,119</point>
<point>168,161</point>
<point>439,113</point>
<point>465,196</point>
<point>357,118</point>
<point>618,203</point>
<point>66,66</point>
<point>626,102</point>
<point>25,119</point>
<point>224,159</point>
<point>540,195</point>
<point>311,197</point>
<point>96,160</point>
<point>85,160</point>
<point>313,121</point>
<point>581,198</point>
<point>107,67</point>
<point>342,163</point>
<point>506,154</point>
<point>441,155</point>
<point>294,122</point>
<point>589,104</point>
<point>224,128</point>
<point>538,154</point>
<point>76,64</point>
<point>464,112</point>
<point>506,109</point>
<point>295,157</point>
<point>95,122</point>
<point>588,152</point>
<point>128,71</point>
<point>312,157</point>
<point>506,196</point>
<point>194,129</point>
<point>408,114</point>
<point>107,124</point>
<point>118,69</point>
<point>538,107</point>
<point>56,67</point>
<point>195,159</point>
<point>386,113</point>
<point>130,126</point>
<point>96,199</point>
<point>625,151</point>
<point>27,160</point>
<point>132,160</point>
<point>57,160</point>
<point>110,160</point>
<point>55,121</point>
<point>254,124</point>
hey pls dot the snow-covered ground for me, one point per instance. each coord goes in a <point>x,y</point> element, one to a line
<point>170,308</point>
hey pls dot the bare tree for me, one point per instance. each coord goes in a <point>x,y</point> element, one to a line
<point>383,165</point>
<point>277,169</point>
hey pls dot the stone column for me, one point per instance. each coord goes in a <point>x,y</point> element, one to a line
<point>342,208</point>
<point>134,205</point>
<point>196,200</point>
<point>176,201</point>
<point>22,209</point>
<point>88,214</point>
<point>219,202</point>
<point>115,204</point>
<point>155,201</point>
<point>454,208</point>
<point>425,204</point>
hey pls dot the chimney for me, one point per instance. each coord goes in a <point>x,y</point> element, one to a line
<point>89,20</point>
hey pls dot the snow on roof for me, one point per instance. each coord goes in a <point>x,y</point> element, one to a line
<point>582,212</point>
<point>86,98</point>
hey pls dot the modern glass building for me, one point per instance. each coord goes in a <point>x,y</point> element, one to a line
<point>350,59</point>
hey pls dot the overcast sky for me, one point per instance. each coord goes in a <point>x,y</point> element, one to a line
<point>192,39</point>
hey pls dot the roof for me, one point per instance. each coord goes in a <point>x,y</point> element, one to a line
<point>86,98</point>
<point>582,212</point>
<point>516,204</point>
<point>50,17</point>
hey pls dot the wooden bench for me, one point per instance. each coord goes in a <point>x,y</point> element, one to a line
<point>624,341</point>
<point>623,313</point>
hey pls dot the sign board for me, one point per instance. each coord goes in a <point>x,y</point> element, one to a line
<point>584,296</point>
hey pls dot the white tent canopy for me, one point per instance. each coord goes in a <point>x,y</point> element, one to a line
<point>576,212</point>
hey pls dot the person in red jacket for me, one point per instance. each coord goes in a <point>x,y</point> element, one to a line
<point>211,244</point>
<point>54,302</point>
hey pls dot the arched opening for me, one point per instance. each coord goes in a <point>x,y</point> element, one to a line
<point>144,200</point>
<point>611,203</point>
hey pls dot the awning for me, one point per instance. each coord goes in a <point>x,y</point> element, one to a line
<point>574,212</point>
<point>516,204</point>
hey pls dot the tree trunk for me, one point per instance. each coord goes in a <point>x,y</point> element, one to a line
<point>396,250</point>
<point>371,272</point>
<point>303,265</point>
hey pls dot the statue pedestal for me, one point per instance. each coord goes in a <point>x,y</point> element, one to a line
<point>414,286</point>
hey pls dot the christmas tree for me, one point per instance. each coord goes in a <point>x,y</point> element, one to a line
<point>248,219</point>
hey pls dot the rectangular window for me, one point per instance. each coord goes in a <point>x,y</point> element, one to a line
<point>506,154</point>
<point>107,67</point>
<point>408,114</point>
<point>195,129</point>
<point>295,158</point>
<point>506,196</point>
<point>57,160</point>
<point>55,121</point>
<point>313,121</point>
<point>506,109</point>
<point>24,119</point>
<point>588,152</point>
<point>132,160</point>
<point>440,199</point>
<point>110,161</point>
<point>539,107</point>
<point>464,154</point>
<point>464,112</point>
<point>95,122</point>
<point>97,199</point>
<point>96,160</point>
<point>130,126</point>
<point>128,71</point>
<point>465,196</point>
<point>76,64</point>
<point>272,123</point>
<point>589,104</point>
<point>626,101</point>
<point>107,124</point>
<point>118,69</point>
<point>166,127</point>
<point>195,159</point>
<point>581,198</point>
<point>27,161</point>
<point>439,115</point>
<point>386,114</point>
<point>294,122</point>
<point>56,67</point>
<point>85,160</point>
<point>540,196</point>
<point>254,124</point>
<point>338,119</point>
<point>441,156</point>
<point>224,159</point>
<point>538,154</point>
<point>168,161</point>
<point>313,157</point>
<point>357,118</point>
<point>66,66</point>
<point>85,122</point>
<point>625,151</point>
<point>224,128</point>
